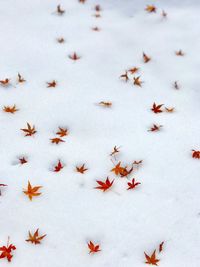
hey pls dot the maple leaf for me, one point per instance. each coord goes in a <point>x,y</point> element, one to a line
<point>105,104</point>
<point>82,1</point>
<point>115,151</point>
<point>58,167</point>
<point>62,132</point>
<point>146,58</point>
<point>5,82</point>
<point>2,186</point>
<point>133,70</point>
<point>155,128</point>
<point>6,251</point>
<point>118,169</point>
<point>161,246</point>
<point>35,238</point>
<point>96,29</point>
<point>179,53</point>
<point>150,8</point>
<point>81,169</point>
<point>133,184</point>
<point>157,108</point>
<point>74,56</point>
<point>51,84</point>
<point>151,259</point>
<point>20,79</point>
<point>97,15</point>
<point>22,160</point>
<point>125,76</point>
<point>32,191</point>
<point>104,186</point>
<point>60,40</point>
<point>137,162</point>
<point>60,11</point>
<point>196,154</point>
<point>10,109</point>
<point>169,110</point>
<point>56,140</point>
<point>137,81</point>
<point>176,85</point>
<point>93,248</point>
<point>29,130</point>
<point>125,172</point>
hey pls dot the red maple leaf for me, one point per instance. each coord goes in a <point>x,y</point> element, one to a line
<point>93,248</point>
<point>196,154</point>
<point>6,251</point>
<point>104,185</point>
<point>156,108</point>
<point>133,184</point>
<point>58,167</point>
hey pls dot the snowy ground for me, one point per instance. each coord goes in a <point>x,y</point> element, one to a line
<point>125,223</point>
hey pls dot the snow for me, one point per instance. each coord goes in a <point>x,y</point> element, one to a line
<point>165,207</point>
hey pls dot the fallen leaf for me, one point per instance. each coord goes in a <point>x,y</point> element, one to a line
<point>2,186</point>
<point>29,130</point>
<point>196,154</point>
<point>58,167</point>
<point>51,84</point>
<point>157,108</point>
<point>93,248</point>
<point>32,191</point>
<point>104,186</point>
<point>6,251</point>
<point>56,140</point>
<point>115,151</point>
<point>146,59</point>
<point>74,56</point>
<point>169,110</point>
<point>60,11</point>
<point>81,169</point>
<point>176,85</point>
<point>125,76</point>
<point>62,132</point>
<point>150,8</point>
<point>35,238</point>
<point>60,40</point>
<point>118,169</point>
<point>96,29</point>
<point>5,82</point>
<point>133,184</point>
<point>105,104</point>
<point>22,160</point>
<point>161,246</point>
<point>179,53</point>
<point>133,70</point>
<point>20,79</point>
<point>155,128</point>
<point>10,109</point>
<point>137,81</point>
<point>151,259</point>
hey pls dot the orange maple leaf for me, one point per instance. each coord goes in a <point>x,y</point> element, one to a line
<point>156,108</point>
<point>105,104</point>
<point>5,82</point>
<point>137,81</point>
<point>81,169</point>
<point>133,70</point>
<point>62,132</point>
<point>151,259</point>
<point>118,169</point>
<point>169,110</point>
<point>104,186</point>
<point>32,191</point>
<point>56,140</point>
<point>23,160</point>
<point>29,130</point>
<point>93,248</point>
<point>150,8</point>
<point>10,109</point>
<point>35,238</point>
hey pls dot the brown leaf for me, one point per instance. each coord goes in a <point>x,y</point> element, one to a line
<point>29,130</point>
<point>35,238</point>
<point>32,191</point>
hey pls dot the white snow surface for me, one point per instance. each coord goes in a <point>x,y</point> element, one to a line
<point>125,223</point>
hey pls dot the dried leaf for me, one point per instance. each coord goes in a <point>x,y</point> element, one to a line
<point>146,59</point>
<point>51,84</point>
<point>105,104</point>
<point>196,154</point>
<point>137,81</point>
<point>56,140</point>
<point>155,128</point>
<point>150,9</point>
<point>60,11</point>
<point>133,70</point>
<point>74,56</point>
<point>169,110</point>
<point>161,246</point>
<point>62,132</point>
<point>180,53</point>
<point>125,76</point>
<point>22,160</point>
<point>58,167</point>
<point>20,79</point>
<point>115,151</point>
<point>5,82</point>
